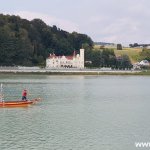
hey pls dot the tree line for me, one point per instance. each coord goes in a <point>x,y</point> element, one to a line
<point>105,57</point>
<point>28,43</point>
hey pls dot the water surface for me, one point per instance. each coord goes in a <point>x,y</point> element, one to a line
<point>77,113</point>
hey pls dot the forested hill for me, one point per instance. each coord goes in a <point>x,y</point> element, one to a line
<point>29,43</point>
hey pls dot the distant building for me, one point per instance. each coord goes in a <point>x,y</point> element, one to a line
<point>139,65</point>
<point>74,61</point>
<point>144,63</point>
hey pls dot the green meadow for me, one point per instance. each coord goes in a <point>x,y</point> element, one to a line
<point>133,53</point>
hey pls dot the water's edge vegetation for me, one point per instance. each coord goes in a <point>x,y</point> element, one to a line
<point>147,73</point>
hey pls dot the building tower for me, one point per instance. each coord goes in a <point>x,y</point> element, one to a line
<point>81,58</point>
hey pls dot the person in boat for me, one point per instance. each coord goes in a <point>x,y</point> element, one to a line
<point>24,95</point>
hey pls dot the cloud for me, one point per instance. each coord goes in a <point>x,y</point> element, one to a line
<point>123,30</point>
<point>96,19</point>
<point>125,23</point>
<point>50,20</point>
<point>118,21</point>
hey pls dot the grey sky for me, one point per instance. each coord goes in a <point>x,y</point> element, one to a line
<point>118,21</point>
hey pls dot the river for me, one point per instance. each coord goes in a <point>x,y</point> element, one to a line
<point>76,113</point>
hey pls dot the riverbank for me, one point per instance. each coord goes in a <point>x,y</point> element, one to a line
<point>73,72</point>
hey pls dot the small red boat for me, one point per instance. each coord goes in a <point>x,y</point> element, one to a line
<point>19,103</point>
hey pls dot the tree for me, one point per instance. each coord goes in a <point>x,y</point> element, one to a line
<point>145,54</point>
<point>24,42</point>
<point>108,57</point>
<point>119,47</point>
<point>123,62</point>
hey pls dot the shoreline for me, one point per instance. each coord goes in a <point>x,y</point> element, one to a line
<point>72,72</point>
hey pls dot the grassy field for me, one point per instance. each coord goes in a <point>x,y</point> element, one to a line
<point>133,53</point>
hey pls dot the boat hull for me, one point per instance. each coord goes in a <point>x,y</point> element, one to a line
<point>19,103</point>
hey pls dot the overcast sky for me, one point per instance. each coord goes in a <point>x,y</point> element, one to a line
<point>117,21</point>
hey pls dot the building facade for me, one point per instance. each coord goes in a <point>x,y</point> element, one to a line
<point>74,61</point>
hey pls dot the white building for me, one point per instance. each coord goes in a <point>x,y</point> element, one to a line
<point>74,61</point>
<point>139,65</point>
<point>144,63</point>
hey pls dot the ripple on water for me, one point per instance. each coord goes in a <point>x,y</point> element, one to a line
<point>88,113</point>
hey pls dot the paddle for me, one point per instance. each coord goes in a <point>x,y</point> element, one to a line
<point>1,95</point>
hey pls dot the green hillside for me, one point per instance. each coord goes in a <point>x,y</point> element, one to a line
<point>29,43</point>
<point>132,53</point>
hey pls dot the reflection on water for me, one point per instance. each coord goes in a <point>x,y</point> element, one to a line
<point>77,112</point>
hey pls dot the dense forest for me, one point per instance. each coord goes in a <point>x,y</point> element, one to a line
<point>29,43</point>
<point>106,58</point>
